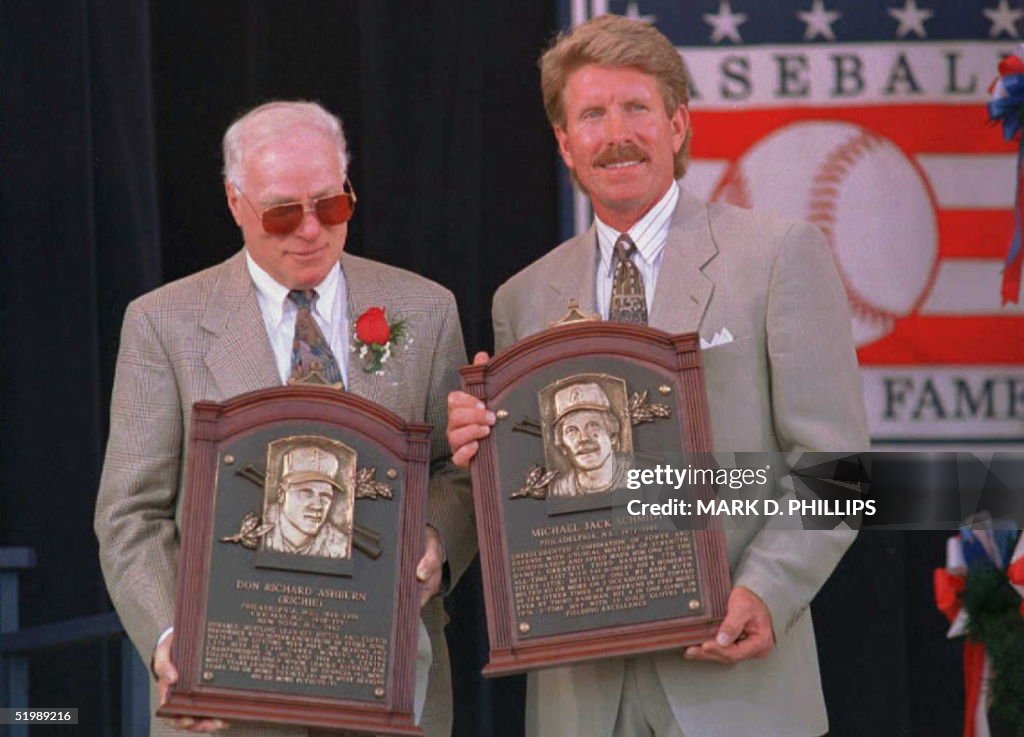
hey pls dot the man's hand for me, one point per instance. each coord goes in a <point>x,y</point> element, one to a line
<point>166,676</point>
<point>746,631</point>
<point>428,570</point>
<point>468,421</point>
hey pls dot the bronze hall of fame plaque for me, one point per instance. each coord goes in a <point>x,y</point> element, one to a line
<point>569,574</point>
<point>302,525</point>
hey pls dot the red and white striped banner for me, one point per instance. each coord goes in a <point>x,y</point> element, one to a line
<point>868,118</point>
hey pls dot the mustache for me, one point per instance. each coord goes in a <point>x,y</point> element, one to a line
<point>620,152</point>
<point>587,446</point>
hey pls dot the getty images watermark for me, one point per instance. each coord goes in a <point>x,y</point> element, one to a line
<point>891,490</point>
<point>751,485</point>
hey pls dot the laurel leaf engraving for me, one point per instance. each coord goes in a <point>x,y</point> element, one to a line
<point>249,533</point>
<point>536,484</point>
<point>641,410</point>
<point>367,487</point>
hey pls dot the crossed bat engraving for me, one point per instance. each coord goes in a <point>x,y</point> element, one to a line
<point>364,539</point>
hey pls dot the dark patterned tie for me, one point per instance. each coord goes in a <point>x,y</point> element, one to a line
<point>629,304</point>
<point>310,351</point>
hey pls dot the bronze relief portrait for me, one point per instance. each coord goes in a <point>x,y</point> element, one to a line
<point>308,498</point>
<point>587,435</point>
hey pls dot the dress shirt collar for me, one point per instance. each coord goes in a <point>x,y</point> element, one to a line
<point>648,233</point>
<point>274,296</point>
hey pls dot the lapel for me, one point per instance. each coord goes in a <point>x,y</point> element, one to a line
<point>364,289</point>
<point>684,290</point>
<point>573,278</point>
<point>239,358</point>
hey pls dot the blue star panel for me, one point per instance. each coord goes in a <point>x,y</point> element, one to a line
<point>775,23</point>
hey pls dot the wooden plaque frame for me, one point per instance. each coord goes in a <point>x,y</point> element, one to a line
<point>598,348</point>
<point>374,432</point>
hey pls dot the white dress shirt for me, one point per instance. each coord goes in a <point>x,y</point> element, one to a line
<point>649,234</point>
<point>279,313</point>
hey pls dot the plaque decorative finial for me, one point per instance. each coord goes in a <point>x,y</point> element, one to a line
<point>315,378</point>
<point>574,314</point>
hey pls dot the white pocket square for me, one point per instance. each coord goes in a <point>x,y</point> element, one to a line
<point>722,337</point>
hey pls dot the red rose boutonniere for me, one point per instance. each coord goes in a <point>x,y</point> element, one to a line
<point>376,338</point>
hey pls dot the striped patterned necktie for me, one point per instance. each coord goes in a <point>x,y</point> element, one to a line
<point>629,303</point>
<point>310,351</point>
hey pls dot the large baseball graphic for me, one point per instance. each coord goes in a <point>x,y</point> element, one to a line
<point>869,198</point>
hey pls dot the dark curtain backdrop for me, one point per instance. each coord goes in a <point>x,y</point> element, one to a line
<point>80,237</point>
<point>111,113</point>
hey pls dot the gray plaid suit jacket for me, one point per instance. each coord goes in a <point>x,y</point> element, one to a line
<point>788,382</point>
<point>203,338</point>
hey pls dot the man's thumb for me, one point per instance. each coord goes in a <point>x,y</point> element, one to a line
<point>729,630</point>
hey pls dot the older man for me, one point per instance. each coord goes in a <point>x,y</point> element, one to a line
<point>283,307</point>
<point>616,95</point>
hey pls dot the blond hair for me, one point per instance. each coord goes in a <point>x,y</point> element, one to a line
<point>614,41</point>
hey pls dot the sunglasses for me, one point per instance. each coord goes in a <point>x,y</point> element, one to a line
<point>285,219</point>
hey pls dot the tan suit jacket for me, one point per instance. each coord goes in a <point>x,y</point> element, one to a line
<point>787,382</point>
<point>203,338</point>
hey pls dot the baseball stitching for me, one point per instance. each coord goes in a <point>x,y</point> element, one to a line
<point>733,188</point>
<point>822,212</point>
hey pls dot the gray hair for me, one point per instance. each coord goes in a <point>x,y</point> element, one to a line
<point>273,119</point>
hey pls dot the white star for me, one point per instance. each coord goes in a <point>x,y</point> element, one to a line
<point>911,19</point>
<point>819,21</point>
<point>633,12</point>
<point>1003,19</point>
<point>726,23</point>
